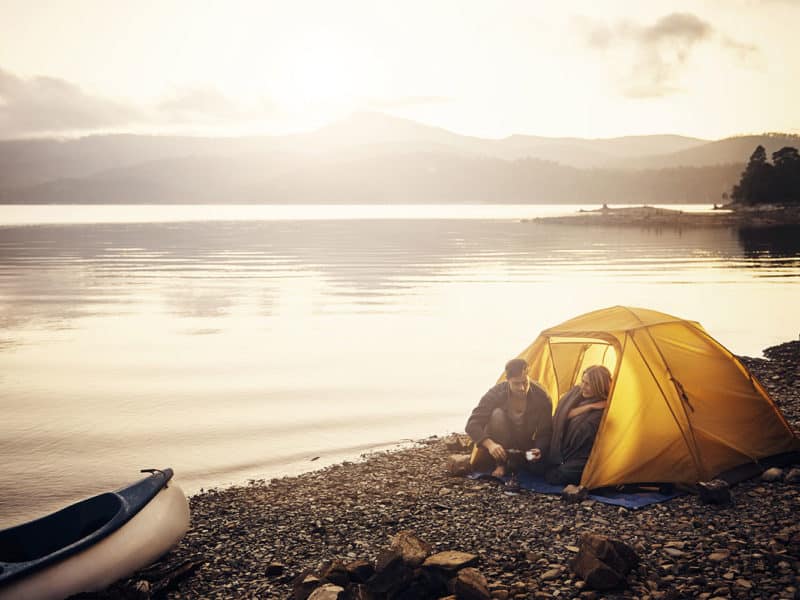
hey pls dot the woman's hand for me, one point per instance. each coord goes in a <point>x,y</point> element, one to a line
<point>497,452</point>
<point>586,408</point>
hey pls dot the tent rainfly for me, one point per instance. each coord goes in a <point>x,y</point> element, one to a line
<point>681,409</point>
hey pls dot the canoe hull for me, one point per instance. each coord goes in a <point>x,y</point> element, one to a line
<point>153,531</point>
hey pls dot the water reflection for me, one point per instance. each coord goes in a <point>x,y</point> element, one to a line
<point>59,273</point>
<point>778,242</point>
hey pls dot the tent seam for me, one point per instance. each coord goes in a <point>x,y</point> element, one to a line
<point>692,447</point>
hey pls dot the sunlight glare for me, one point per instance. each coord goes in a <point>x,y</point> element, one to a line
<point>320,71</point>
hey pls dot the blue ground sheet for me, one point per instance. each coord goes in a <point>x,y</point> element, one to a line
<point>629,499</point>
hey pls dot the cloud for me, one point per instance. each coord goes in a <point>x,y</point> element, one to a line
<point>389,103</point>
<point>209,104</point>
<point>744,52</point>
<point>649,59</point>
<point>50,105</point>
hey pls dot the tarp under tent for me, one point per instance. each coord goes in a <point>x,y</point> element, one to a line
<point>681,409</point>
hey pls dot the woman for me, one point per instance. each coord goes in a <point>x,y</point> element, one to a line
<point>575,426</point>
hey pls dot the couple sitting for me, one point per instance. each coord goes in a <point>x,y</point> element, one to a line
<point>513,426</point>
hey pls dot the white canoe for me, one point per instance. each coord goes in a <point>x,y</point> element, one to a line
<point>93,543</point>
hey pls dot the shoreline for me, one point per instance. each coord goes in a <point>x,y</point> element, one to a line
<point>253,540</point>
<point>649,216</point>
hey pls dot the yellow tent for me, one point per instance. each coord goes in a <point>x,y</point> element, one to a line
<point>681,409</point>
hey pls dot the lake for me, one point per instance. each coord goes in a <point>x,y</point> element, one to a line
<point>233,343</point>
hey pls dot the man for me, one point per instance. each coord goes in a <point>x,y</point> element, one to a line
<point>515,415</point>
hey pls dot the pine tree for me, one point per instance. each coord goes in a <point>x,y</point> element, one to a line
<point>755,184</point>
<point>786,173</point>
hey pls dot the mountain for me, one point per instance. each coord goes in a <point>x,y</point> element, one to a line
<point>371,157</point>
<point>435,177</point>
<point>592,153</point>
<point>730,150</point>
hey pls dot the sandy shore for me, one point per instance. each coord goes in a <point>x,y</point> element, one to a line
<point>649,216</point>
<point>251,541</point>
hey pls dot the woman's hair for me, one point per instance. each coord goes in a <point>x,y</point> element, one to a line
<point>600,381</point>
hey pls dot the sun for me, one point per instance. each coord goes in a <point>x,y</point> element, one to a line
<point>320,72</point>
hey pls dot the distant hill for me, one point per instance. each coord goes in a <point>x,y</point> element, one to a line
<point>371,157</point>
<point>727,151</point>
<point>379,178</point>
<point>590,153</point>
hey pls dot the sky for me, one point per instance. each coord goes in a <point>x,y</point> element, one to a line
<point>493,68</point>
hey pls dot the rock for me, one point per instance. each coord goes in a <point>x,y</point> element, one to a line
<point>715,491</point>
<point>470,584</point>
<point>437,582</point>
<point>303,585</point>
<point>674,552</point>
<point>602,562</point>
<point>743,583</point>
<point>551,574</point>
<point>419,586</point>
<point>793,476</point>
<point>357,591</point>
<point>274,569</point>
<point>329,591</point>
<point>360,571</point>
<point>336,573</point>
<point>390,572</point>
<point>572,494</point>
<point>451,560</point>
<point>773,474</point>
<point>615,553</point>
<point>458,464</point>
<point>413,550</point>
<point>143,588</point>
<point>457,442</point>
<point>594,572</point>
<point>719,556</point>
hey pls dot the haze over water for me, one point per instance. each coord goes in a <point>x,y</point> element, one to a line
<point>235,349</point>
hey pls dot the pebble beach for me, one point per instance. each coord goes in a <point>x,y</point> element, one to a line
<point>262,540</point>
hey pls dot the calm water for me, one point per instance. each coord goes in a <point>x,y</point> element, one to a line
<point>236,346</point>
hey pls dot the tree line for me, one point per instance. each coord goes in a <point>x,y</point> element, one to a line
<point>763,182</point>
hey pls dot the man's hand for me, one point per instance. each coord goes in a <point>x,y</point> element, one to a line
<point>497,452</point>
<point>534,454</point>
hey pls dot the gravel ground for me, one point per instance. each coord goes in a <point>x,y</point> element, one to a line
<point>524,541</point>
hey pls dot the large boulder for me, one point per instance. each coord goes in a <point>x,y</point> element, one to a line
<point>470,584</point>
<point>413,550</point>
<point>391,572</point>
<point>328,591</point>
<point>360,571</point>
<point>602,562</point>
<point>304,584</point>
<point>715,491</point>
<point>451,560</point>
<point>336,573</point>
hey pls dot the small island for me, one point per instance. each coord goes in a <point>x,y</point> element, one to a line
<point>767,194</point>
